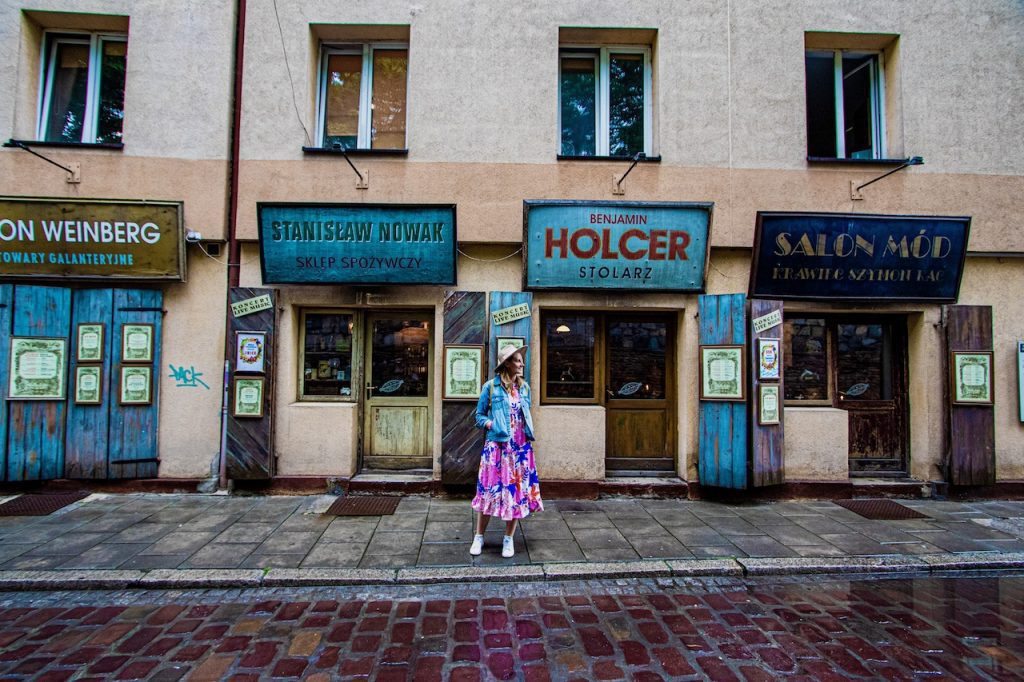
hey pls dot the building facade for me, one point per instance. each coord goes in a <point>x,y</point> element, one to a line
<point>679,210</point>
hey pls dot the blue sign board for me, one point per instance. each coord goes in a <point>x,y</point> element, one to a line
<point>855,257</point>
<point>357,243</point>
<point>615,245</point>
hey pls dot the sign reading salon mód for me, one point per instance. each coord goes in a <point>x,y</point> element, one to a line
<point>839,256</point>
<point>653,246</point>
<point>357,243</point>
<point>91,239</point>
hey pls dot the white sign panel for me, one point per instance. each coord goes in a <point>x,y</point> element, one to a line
<point>766,322</point>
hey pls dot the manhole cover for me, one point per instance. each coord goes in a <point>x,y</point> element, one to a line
<point>364,506</point>
<point>40,505</point>
<point>881,510</point>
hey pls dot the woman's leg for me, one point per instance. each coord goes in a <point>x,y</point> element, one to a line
<point>510,527</point>
<point>481,523</point>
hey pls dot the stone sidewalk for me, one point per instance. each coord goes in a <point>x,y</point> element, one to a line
<point>218,540</point>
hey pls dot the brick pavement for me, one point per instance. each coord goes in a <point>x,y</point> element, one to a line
<point>722,629</point>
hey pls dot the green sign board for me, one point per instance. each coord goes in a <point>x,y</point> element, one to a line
<point>79,239</point>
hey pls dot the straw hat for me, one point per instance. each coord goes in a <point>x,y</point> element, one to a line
<point>506,352</point>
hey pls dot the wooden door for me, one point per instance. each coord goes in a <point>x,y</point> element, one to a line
<point>639,394</point>
<point>397,399</point>
<point>870,384</point>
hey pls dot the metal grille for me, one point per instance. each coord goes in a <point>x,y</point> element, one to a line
<point>40,505</point>
<point>881,510</point>
<point>364,506</point>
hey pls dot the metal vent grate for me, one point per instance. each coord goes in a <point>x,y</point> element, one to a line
<point>364,506</point>
<point>40,505</point>
<point>880,510</point>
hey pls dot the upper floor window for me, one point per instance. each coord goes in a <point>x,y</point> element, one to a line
<point>83,88</point>
<point>845,92</point>
<point>605,101</point>
<point>362,100</point>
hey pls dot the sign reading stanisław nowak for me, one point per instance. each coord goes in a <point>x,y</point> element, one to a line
<point>357,243</point>
<point>78,239</point>
<point>858,257</point>
<point>616,245</point>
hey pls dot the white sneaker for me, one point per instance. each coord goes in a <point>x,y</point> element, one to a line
<point>477,546</point>
<point>508,550</point>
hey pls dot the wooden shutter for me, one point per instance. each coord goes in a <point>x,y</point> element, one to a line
<point>6,312</point>
<point>766,442</point>
<point>972,438</point>
<point>521,327</point>
<point>88,426</point>
<point>465,321</point>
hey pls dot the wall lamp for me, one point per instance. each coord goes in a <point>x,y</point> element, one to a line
<point>855,189</point>
<point>364,178</point>
<point>74,169</point>
<point>618,189</point>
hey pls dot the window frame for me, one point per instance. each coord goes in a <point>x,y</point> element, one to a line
<point>598,355</point>
<point>364,133</point>
<point>829,324</point>
<point>356,350</point>
<point>52,39</point>
<point>602,95</point>
<point>876,99</point>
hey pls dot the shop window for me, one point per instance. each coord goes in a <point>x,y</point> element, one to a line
<point>845,98</point>
<point>327,355</point>
<point>569,365</point>
<point>605,101</point>
<point>83,77</point>
<point>806,360</point>
<point>362,96</point>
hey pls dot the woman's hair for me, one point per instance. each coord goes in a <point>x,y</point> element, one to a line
<point>506,378</point>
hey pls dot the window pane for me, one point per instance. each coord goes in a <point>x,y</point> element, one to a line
<point>67,93</point>
<point>400,357</point>
<point>341,115</point>
<point>626,114</point>
<point>805,349</point>
<point>388,108</point>
<point>110,117</point>
<point>636,360</point>
<point>327,367</point>
<point>857,105</point>
<point>577,90</point>
<point>821,104</point>
<point>569,358</point>
<point>863,362</point>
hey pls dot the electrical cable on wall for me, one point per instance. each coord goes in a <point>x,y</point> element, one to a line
<point>291,82</point>
<point>490,260</point>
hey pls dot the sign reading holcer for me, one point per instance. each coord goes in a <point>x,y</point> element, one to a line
<point>357,243</point>
<point>616,245</point>
<point>858,257</point>
<point>73,239</point>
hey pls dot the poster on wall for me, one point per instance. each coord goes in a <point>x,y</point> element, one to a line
<point>37,369</point>
<point>137,343</point>
<point>721,372</point>
<point>88,384</point>
<point>971,374</point>
<point>1020,377</point>
<point>250,348</point>
<point>248,397</point>
<point>89,342</point>
<point>463,372</point>
<point>136,385</point>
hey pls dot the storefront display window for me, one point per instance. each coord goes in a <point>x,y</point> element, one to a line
<point>569,357</point>
<point>400,357</point>
<point>806,360</point>
<point>327,355</point>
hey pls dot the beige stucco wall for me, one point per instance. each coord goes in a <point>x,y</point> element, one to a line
<point>570,442</point>
<point>817,444</point>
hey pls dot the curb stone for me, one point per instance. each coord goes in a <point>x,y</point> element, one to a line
<point>470,573</point>
<point>312,577</point>
<point>200,578</point>
<point>692,568</point>
<point>617,569</point>
<point>792,565</point>
<point>973,560</point>
<point>69,580</point>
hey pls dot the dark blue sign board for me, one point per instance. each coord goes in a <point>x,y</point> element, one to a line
<point>855,257</point>
<point>590,245</point>
<point>357,243</point>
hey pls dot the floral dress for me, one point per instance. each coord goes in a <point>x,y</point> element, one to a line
<point>508,486</point>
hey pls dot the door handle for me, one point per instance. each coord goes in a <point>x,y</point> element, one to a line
<point>369,390</point>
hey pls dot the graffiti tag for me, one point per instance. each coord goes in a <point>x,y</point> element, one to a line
<point>187,377</point>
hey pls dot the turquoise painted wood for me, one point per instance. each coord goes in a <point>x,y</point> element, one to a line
<point>723,425</point>
<point>133,428</point>
<point>6,309</point>
<point>35,439</point>
<point>85,454</point>
<point>522,328</point>
<point>767,442</point>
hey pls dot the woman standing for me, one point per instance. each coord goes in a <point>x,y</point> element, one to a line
<point>507,486</point>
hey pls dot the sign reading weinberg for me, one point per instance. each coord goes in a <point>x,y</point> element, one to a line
<point>89,239</point>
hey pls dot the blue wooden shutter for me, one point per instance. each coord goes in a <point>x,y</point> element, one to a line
<point>723,425</point>
<point>499,301</point>
<point>766,442</point>
<point>6,311</point>
<point>88,425</point>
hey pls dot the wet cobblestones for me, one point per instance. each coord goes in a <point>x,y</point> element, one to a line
<point>719,629</point>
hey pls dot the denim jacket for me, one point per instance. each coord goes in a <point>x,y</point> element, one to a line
<point>494,406</point>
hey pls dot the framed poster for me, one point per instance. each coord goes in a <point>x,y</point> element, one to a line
<point>88,384</point>
<point>248,402</point>
<point>38,367</point>
<point>768,404</point>
<point>971,374</point>
<point>136,385</point>
<point>89,342</point>
<point>721,372</point>
<point>463,372</point>
<point>137,343</point>
<point>250,349</point>
<point>1020,377</point>
<point>514,341</point>
<point>768,364</point>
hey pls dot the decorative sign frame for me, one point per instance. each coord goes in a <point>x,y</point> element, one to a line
<point>89,337</point>
<point>1020,377</point>
<point>769,359</point>
<point>88,384</point>
<point>38,367</point>
<point>723,372</point>
<point>247,402</point>
<point>769,405</point>
<point>136,385</point>
<point>514,341</point>
<point>462,372</point>
<point>250,351</point>
<point>136,343</point>
<point>970,374</point>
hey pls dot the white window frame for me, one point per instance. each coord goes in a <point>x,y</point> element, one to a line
<point>877,98</point>
<point>364,136</point>
<point>601,54</point>
<point>51,41</point>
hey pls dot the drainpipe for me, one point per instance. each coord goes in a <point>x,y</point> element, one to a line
<point>234,247</point>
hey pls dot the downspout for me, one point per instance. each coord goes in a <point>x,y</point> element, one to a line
<point>234,247</point>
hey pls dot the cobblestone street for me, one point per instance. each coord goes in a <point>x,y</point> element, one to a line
<point>715,628</point>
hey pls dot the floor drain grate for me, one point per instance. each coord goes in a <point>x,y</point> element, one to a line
<point>364,506</point>
<point>880,510</point>
<point>39,504</point>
